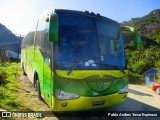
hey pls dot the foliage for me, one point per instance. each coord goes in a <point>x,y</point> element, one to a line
<point>135,78</point>
<point>148,57</point>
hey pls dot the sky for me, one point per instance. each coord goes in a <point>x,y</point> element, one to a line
<point>20,15</point>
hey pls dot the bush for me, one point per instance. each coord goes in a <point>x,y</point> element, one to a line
<point>139,67</point>
<point>136,79</point>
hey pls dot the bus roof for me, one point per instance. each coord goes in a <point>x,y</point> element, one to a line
<point>86,13</point>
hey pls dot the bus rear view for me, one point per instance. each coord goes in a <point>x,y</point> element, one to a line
<point>85,66</point>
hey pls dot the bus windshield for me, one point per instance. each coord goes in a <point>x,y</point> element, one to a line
<point>87,43</point>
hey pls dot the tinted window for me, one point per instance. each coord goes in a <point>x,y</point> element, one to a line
<point>88,43</point>
<point>41,35</point>
<point>77,41</point>
<point>111,43</point>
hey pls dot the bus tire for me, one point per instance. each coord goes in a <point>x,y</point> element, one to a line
<point>24,73</point>
<point>37,86</point>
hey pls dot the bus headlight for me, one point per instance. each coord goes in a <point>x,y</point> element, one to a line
<point>123,90</point>
<point>60,94</point>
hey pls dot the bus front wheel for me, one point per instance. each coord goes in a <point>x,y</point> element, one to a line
<point>37,86</point>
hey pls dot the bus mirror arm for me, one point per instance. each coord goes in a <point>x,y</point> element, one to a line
<point>135,33</point>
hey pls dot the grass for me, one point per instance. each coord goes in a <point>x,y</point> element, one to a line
<point>13,95</point>
<point>9,86</point>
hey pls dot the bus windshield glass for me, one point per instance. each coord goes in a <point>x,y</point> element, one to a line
<point>87,43</point>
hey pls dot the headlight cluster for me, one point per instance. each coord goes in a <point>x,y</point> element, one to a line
<point>60,94</point>
<point>124,89</point>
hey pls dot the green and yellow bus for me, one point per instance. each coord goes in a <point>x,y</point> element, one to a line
<point>76,60</point>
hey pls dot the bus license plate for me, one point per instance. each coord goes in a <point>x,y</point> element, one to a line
<point>96,103</point>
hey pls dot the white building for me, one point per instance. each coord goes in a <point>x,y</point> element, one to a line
<point>12,54</point>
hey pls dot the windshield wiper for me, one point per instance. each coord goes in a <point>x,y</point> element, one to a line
<point>79,61</point>
<point>110,65</point>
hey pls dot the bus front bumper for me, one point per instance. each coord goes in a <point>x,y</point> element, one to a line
<point>87,103</point>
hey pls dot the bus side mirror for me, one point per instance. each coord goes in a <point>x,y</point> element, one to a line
<point>135,33</point>
<point>53,27</point>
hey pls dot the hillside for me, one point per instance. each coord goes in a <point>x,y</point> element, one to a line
<point>8,40</point>
<point>148,57</point>
<point>148,26</point>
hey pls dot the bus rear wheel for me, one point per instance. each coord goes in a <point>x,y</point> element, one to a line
<point>24,73</point>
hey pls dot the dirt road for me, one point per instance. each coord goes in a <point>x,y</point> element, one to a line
<point>140,98</point>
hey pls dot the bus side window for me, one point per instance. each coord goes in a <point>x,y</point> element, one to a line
<point>47,56</point>
<point>42,41</point>
<point>40,36</point>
